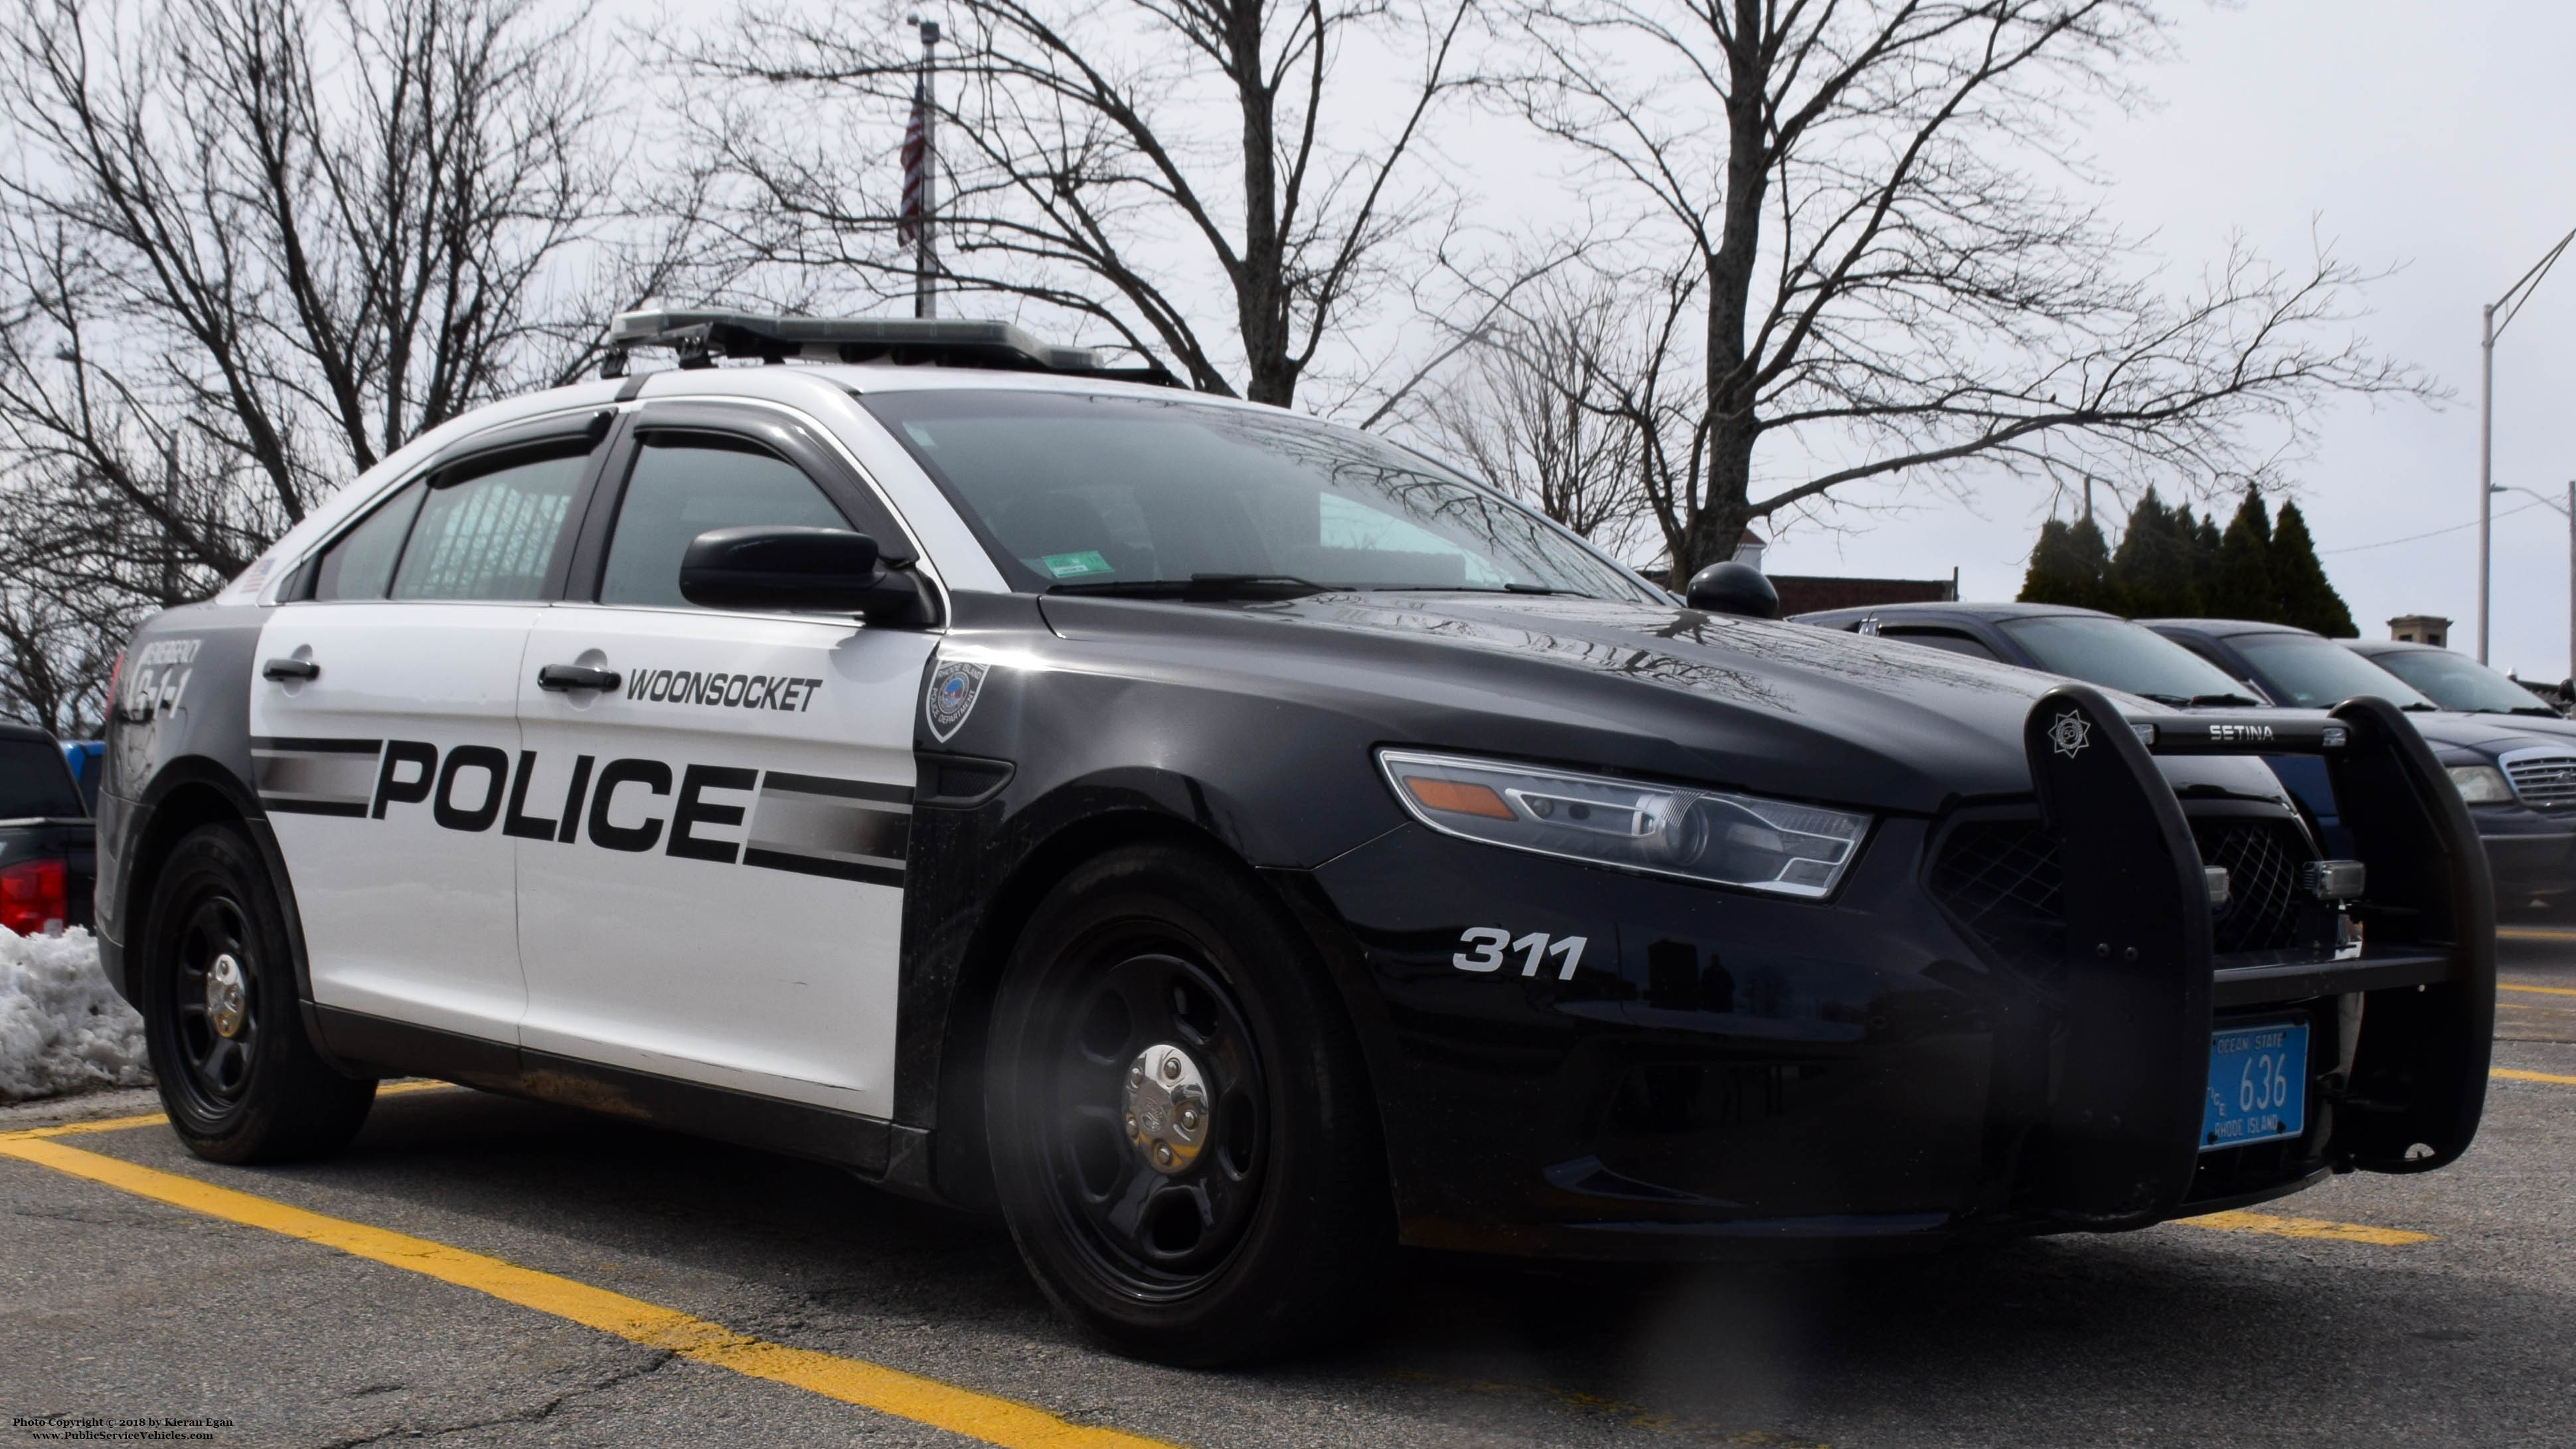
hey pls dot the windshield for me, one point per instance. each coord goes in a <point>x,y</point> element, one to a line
<point>2122,655</point>
<point>2456,681</point>
<point>1087,493</point>
<point>35,781</point>
<point>2307,672</point>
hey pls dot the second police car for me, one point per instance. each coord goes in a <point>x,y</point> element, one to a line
<point>1228,845</point>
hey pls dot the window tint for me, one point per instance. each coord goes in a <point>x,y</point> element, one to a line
<point>2455,681</point>
<point>34,780</point>
<point>1943,639</point>
<point>687,483</point>
<point>2309,673</point>
<point>2123,655</point>
<point>490,533</point>
<point>1085,492</point>
<point>361,564</point>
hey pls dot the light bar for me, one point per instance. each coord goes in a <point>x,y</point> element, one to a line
<point>702,335</point>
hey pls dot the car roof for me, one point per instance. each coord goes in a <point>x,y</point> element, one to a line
<point>1947,607</point>
<point>2228,628</point>
<point>2391,646</point>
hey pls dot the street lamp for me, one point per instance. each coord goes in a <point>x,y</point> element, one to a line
<point>2568,509</point>
<point>2491,329</point>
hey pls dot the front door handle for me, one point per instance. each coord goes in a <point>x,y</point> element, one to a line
<point>577,676</point>
<point>285,669</point>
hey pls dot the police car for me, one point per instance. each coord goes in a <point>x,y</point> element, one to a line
<point>1228,846</point>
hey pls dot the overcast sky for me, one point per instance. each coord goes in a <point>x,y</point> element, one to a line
<point>2437,139</point>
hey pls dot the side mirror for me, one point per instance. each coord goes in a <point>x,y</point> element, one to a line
<point>825,570</point>
<point>1733,588</point>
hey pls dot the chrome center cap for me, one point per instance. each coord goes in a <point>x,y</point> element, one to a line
<point>1166,1105</point>
<point>227,996</point>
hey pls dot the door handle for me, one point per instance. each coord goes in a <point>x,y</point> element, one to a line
<point>577,676</point>
<point>285,669</point>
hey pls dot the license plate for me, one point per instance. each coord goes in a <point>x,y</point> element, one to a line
<point>2258,1085</point>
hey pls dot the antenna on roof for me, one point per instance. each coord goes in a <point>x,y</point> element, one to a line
<point>701,337</point>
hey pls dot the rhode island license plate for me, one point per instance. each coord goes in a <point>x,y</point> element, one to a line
<point>2258,1085</point>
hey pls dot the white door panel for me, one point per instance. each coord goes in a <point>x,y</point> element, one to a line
<point>725,904</point>
<point>385,778</point>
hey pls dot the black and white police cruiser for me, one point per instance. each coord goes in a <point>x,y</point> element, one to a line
<point>1229,846</point>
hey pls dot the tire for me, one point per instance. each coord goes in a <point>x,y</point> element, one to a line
<point>239,1079</point>
<point>1246,1235</point>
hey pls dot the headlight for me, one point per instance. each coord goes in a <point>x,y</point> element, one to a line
<point>2481,784</point>
<point>1737,840</point>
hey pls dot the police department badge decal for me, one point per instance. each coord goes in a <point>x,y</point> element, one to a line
<point>953,687</point>
<point>2070,734</point>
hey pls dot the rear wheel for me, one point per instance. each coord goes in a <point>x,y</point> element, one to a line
<point>1182,1133</point>
<point>238,1078</point>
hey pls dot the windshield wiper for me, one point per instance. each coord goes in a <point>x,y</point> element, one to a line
<point>2198,700</point>
<point>1198,587</point>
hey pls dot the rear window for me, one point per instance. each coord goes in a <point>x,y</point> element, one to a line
<point>35,781</point>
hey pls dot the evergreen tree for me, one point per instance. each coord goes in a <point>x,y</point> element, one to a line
<point>2070,565</point>
<point>2242,587</point>
<point>2152,569</point>
<point>2204,554</point>
<point>2306,598</point>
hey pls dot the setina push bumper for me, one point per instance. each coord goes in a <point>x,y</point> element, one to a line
<point>2371,1056</point>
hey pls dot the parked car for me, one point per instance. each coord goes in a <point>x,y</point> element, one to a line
<point>2517,773</point>
<point>2457,682</point>
<point>1228,844</point>
<point>87,759</point>
<point>48,858</point>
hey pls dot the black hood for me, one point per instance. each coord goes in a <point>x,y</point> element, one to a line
<point>1775,707</point>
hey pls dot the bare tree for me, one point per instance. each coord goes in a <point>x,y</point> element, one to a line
<point>1535,410</point>
<point>1861,274</point>
<point>257,245</point>
<point>1119,162</point>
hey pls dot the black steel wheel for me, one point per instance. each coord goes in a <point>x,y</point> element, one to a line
<point>238,1078</point>
<point>1183,1139</point>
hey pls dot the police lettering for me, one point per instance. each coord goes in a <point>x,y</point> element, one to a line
<point>471,788</point>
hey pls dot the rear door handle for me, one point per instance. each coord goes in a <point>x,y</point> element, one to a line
<point>285,669</point>
<point>577,676</point>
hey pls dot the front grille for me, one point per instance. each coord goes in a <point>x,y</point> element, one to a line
<point>2545,782</point>
<point>2000,879</point>
<point>2262,859</point>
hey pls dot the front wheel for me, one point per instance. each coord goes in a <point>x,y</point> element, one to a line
<point>238,1078</point>
<point>1182,1133</point>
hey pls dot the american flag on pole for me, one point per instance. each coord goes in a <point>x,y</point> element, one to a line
<point>915,213</point>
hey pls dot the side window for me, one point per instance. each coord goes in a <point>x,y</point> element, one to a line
<point>361,564</point>
<point>684,484</point>
<point>488,528</point>
<point>1955,643</point>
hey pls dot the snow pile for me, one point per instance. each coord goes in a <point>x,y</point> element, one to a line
<point>62,1027</point>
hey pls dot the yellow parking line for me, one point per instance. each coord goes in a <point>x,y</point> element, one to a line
<point>2537,990</point>
<point>2533,933</point>
<point>851,1381</point>
<point>155,1119</point>
<point>2236,1222</point>
<point>2512,1075</point>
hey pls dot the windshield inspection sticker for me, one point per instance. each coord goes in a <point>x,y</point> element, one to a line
<point>953,687</point>
<point>1076,565</point>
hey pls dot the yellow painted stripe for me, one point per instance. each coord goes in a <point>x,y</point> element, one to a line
<point>155,1119</point>
<point>2533,933</point>
<point>2304,1228</point>
<point>852,1381</point>
<point>2537,990</point>
<point>2511,1075</point>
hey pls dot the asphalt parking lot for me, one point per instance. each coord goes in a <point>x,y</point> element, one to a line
<point>484,1271</point>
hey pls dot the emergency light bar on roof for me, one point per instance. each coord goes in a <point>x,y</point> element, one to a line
<point>701,337</point>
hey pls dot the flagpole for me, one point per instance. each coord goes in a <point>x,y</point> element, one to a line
<point>925,256</point>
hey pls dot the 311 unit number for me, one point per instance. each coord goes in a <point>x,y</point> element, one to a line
<point>1491,942</point>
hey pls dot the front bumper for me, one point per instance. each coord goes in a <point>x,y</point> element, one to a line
<point>1725,1073</point>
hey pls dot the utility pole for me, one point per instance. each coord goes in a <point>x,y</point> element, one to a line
<point>921,175</point>
<point>2488,331</point>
